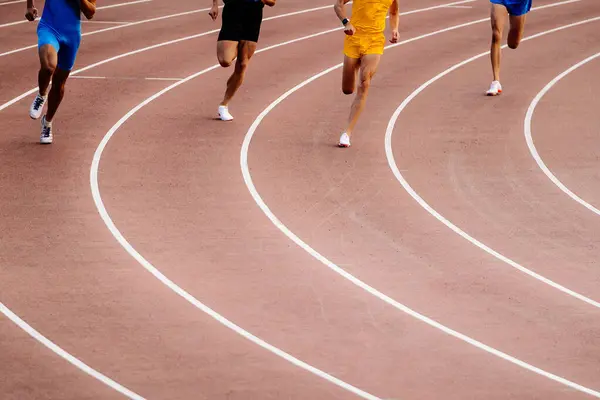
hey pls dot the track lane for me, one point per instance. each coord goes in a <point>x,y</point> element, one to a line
<point>140,228</point>
<point>175,362</point>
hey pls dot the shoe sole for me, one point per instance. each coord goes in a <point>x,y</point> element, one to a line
<point>343,145</point>
<point>45,141</point>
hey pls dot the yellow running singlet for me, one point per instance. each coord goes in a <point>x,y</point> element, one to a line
<point>368,16</point>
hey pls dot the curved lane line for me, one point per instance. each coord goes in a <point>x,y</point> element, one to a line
<point>441,218</point>
<point>62,353</point>
<point>172,285</point>
<point>18,321</point>
<point>24,21</point>
<point>529,137</point>
<point>152,47</point>
<point>249,183</point>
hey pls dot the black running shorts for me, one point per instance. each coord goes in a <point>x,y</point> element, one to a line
<point>241,20</point>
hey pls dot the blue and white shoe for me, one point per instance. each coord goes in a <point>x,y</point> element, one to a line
<point>46,135</point>
<point>37,107</point>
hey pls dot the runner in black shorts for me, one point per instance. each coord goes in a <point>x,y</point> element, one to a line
<point>237,39</point>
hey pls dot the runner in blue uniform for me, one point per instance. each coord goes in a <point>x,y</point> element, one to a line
<point>59,35</point>
<point>516,11</point>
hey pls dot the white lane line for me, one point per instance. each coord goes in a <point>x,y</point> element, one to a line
<point>531,145</point>
<point>112,28</point>
<point>208,9</point>
<point>163,79</point>
<point>170,42</point>
<point>441,218</point>
<point>106,22</point>
<point>62,353</point>
<point>152,269</point>
<point>130,3</point>
<point>165,280</point>
<point>124,78</point>
<point>12,2</point>
<point>148,266</point>
<point>258,199</point>
<point>186,38</point>
<point>24,21</point>
<point>14,23</point>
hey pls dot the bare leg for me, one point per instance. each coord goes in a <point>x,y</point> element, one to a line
<point>245,51</point>
<point>48,60</point>
<point>368,67</point>
<point>517,27</point>
<point>349,74</point>
<point>57,92</point>
<point>227,51</point>
<point>498,19</point>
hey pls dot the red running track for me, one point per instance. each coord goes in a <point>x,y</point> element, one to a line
<point>171,182</point>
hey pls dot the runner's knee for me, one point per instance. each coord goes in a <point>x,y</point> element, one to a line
<point>242,64</point>
<point>513,40</point>
<point>48,65</point>
<point>365,83</point>
<point>496,35</point>
<point>224,62</point>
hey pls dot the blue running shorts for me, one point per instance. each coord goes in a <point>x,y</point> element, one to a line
<point>515,7</point>
<point>66,44</point>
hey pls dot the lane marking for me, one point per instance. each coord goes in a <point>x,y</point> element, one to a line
<point>112,28</point>
<point>217,30</point>
<point>181,14</point>
<point>186,38</point>
<point>123,4</point>
<point>249,183</point>
<point>106,22</point>
<point>125,78</point>
<point>94,170</point>
<point>12,2</point>
<point>152,269</point>
<point>243,159</point>
<point>62,353</point>
<point>15,23</point>
<point>156,46</point>
<point>441,218</point>
<point>24,21</point>
<point>529,137</point>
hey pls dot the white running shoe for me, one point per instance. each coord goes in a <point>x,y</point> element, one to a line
<point>224,113</point>
<point>344,140</point>
<point>46,135</point>
<point>37,107</point>
<point>495,89</point>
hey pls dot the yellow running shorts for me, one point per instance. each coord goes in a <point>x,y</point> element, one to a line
<point>356,46</point>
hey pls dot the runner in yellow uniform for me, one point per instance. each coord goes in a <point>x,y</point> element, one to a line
<point>363,48</point>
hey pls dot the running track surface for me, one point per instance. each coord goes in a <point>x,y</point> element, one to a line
<point>171,181</point>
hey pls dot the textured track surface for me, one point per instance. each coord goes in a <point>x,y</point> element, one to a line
<point>171,182</point>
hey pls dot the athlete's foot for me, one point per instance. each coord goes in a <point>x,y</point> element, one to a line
<point>224,114</point>
<point>35,111</point>
<point>344,140</point>
<point>46,135</point>
<point>495,89</point>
